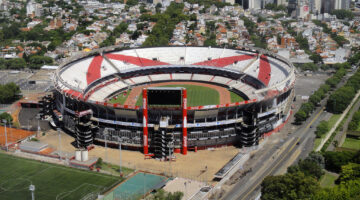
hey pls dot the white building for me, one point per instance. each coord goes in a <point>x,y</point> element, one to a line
<point>33,8</point>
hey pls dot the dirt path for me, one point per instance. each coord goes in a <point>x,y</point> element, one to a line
<point>224,94</point>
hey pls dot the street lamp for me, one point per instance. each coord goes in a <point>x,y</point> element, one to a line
<point>32,189</point>
<point>120,142</point>
<point>59,132</point>
<point>106,132</point>
<point>6,143</point>
<point>170,146</point>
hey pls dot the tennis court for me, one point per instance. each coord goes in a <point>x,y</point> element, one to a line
<point>13,135</point>
<point>136,186</point>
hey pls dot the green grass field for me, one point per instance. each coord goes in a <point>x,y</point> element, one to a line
<point>197,95</point>
<point>328,180</point>
<point>114,169</point>
<point>51,181</point>
<point>235,98</point>
<point>121,98</point>
<point>352,143</point>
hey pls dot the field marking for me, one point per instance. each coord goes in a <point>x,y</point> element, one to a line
<point>9,190</point>
<point>21,178</point>
<point>60,166</point>
<point>58,197</point>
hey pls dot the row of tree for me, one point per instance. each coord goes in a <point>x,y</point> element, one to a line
<point>307,108</point>
<point>35,62</point>
<point>354,123</point>
<point>302,180</point>
<point>342,97</point>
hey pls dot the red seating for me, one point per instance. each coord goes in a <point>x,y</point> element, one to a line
<point>94,69</point>
<point>73,93</point>
<point>264,70</point>
<point>222,62</point>
<point>143,62</point>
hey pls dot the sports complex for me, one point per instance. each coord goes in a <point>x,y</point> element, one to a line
<point>175,99</point>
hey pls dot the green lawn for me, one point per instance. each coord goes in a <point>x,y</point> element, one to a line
<point>51,181</point>
<point>328,180</point>
<point>235,98</point>
<point>114,169</point>
<point>121,98</point>
<point>333,119</point>
<point>197,95</point>
<point>352,143</point>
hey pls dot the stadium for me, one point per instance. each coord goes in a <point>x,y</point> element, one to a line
<point>163,99</point>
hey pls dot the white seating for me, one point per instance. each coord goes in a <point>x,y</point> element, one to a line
<point>160,77</point>
<point>221,80</point>
<point>176,76</point>
<point>140,79</point>
<point>202,77</point>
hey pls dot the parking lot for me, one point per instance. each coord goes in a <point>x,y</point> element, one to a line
<point>28,81</point>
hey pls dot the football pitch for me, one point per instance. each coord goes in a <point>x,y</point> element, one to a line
<point>196,95</point>
<point>51,181</point>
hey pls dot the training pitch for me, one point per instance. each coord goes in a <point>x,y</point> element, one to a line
<point>51,181</point>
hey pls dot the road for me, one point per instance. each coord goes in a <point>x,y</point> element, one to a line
<point>297,145</point>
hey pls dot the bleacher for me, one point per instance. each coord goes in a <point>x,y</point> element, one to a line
<point>77,75</point>
<point>178,76</point>
<point>202,77</point>
<point>264,70</point>
<point>160,77</point>
<point>279,71</point>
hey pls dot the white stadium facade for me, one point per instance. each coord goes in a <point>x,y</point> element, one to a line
<point>84,85</point>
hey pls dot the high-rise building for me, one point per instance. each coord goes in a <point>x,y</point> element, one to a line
<point>280,2</point>
<point>255,4</point>
<point>315,6</point>
<point>302,8</point>
<point>342,4</point>
<point>292,4</point>
<point>327,6</point>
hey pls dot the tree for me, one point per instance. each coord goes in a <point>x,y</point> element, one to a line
<point>321,129</point>
<point>131,2</point>
<point>300,116</point>
<point>6,116</point>
<point>354,123</point>
<point>9,93</point>
<point>121,28</point>
<point>316,58</point>
<point>211,41</point>
<point>334,160</point>
<point>343,14</point>
<point>308,167</point>
<point>345,191</point>
<point>315,99</point>
<point>290,186</point>
<point>16,63</point>
<point>99,163</point>
<point>2,63</point>
<point>38,61</point>
<point>163,195</point>
<point>318,158</point>
<point>340,99</point>
<point>350,171</point>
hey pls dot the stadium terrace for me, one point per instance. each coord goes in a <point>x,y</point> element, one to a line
<point>86,86</point>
